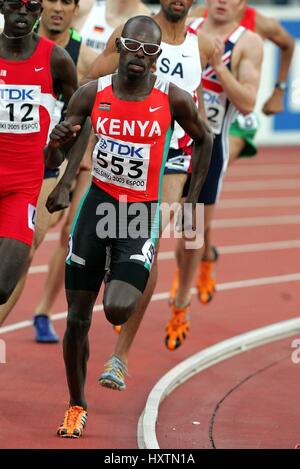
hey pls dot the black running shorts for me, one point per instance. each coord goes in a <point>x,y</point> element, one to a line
<point>114,236</point>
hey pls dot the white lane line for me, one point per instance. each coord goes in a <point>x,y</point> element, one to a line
<point>264,170</point>
<point>255,202</point>
<point>256,282</point>
<point>146,432</point>
<point>276,279</point>
<point>256,221</point>
<point>255,185</point>
<point>38,269</point>
<point>258,247</point>
<point>239,248</point>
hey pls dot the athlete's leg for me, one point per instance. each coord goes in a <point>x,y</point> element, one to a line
<point>76,344</point>
<point>40,230</point>
<point>241,136</point>
<point>42,220</point>
<point>171,193</point>
<point>43,217</point>
<point>85,269</point>
<point>116,367</point>
<point>55,277</point>
<point>54,281</point>
<point>188,261</point>
<point>13,255</point>
<point>236,145</point>
<point>130,328</point>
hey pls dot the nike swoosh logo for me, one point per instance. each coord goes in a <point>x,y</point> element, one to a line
<point>153,109</point>
<point>186,56</point>
<point>38,69</point>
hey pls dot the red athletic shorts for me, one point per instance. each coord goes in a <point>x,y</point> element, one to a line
<point>19,192</point>
<point>17,216</point>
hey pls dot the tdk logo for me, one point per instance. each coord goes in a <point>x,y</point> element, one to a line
<point>11,94</point>
<point>211,98</point>
<point>102,144</point>
<point>123,149</point>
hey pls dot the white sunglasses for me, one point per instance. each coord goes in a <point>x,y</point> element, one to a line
<point>133,46</point>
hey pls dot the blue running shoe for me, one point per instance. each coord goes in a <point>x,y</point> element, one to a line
<point>44,330</point>
<point>114,374</point>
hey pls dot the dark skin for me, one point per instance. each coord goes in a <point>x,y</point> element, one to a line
<point>130,83</point>
<point>20,45</point>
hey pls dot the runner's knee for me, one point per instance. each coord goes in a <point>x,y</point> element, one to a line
<point>77,325</point>
<point>118,310</point>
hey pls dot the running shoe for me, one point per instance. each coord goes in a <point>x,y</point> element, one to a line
<point>206,283</point>
<point>114,374</point>
<point>44,330</point>
<point>178,327</point>
<point>74,422</point>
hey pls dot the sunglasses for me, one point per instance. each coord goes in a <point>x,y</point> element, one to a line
<point>31,5</point>
<point>133,46</point>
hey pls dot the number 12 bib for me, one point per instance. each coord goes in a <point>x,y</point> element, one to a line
<point>19,108</point>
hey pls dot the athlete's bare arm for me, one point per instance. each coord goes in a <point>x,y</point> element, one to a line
<point>270,28</point>
<point>64,77</point>
<point>206,49</point>
<point>75,130</point>
<point>186,114</point>
<point>64,73</point>
<point>240,85</point>
<point>106,62</point>
<point>87,57</point>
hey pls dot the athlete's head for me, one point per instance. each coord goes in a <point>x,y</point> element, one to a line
<point>20,16</point>
<point>58,14</point>
<point>175,10</point>
<point>139,46</point>
<point>224,11</point>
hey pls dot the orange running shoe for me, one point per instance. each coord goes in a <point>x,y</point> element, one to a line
<point>174,287</point>
<point>206,284</point>
<point>74,422</point>
<point>178,327</point>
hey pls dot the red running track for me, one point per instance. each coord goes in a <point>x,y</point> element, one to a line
<point>33,392</point>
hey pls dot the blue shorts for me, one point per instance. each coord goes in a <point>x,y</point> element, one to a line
<point>218,165</point>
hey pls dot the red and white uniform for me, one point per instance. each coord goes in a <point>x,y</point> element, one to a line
<point>133,141</point>
<point>247,122</point>
<point>27,101</point>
